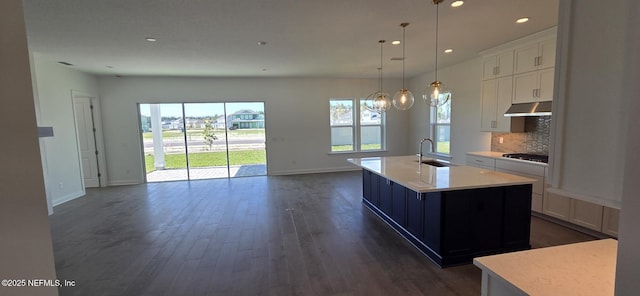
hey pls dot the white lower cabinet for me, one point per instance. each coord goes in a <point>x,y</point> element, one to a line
<point>486,163</point>
<point>586,214</point>
<point>532,171</point>
<point>582,213</point>
<point>557,206</point>
<point>610,219</point>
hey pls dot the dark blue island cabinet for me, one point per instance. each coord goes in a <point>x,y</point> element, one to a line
<point>453,227</point>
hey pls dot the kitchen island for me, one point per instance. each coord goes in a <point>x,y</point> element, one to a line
<point>451,213</point>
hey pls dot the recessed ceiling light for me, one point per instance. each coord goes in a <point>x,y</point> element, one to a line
<point>395,42</point>
<point>457,3</point>
<point>522,20</point>
<point>448,50</point>
<point>151,39</point>
<point>262,42</point>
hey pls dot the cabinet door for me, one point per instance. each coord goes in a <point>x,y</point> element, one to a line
<point>586,214</point>
<point>374,190</point>
<point>504,100</point>
<point>547,52</point>
<point>496,99</point>
<point>498,65</point>
<point>556,206</point>
<point>489,67</point>
<point>472,220</point>
<point>415,210</point>
<point>526,58</point>
<point>386,192</point>
<point>489,96</point>
<point>545,78</point>
<point>525,87</point>
<point>399,204</point>
<point>517,216</point>
<point>505,64</point>
<point>366,184</point>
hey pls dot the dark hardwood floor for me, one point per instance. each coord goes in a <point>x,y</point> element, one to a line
<point>277,235</point>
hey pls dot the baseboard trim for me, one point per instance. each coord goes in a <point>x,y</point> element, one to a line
<point>314,171</point>
<point>123,182</point>
<point>572,226</point>
<point>67,198</point>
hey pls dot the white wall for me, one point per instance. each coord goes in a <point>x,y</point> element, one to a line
<point>628,266</point>
<point>53,84</point>
<point>464,81</point>
<point>297,118</point>
<point>587,103</point>
<point>25,237</point>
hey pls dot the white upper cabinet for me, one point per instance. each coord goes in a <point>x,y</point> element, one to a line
<point>536,86</point>
<point>535,56</point>
<point>498,65</point>
<point>496,99</point>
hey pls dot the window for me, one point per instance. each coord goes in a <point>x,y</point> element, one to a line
<point>441,127</point>
<point>349,123</point>
<point>370,129</point>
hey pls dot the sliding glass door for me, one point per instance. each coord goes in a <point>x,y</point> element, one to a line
<point>163,141</point>
<point>246,139</point>
<point>192,141</point>
<point>206,140</point>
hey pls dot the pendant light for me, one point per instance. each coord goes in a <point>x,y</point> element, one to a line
<point>403,99</point>
<point>380,101</point>
<point>436,94</point>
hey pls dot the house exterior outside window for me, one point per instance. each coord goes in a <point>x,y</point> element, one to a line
<point>355,128</point>
<point>441,127</point>
<point>245,119</point>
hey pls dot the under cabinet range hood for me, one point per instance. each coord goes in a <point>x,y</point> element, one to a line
<point>529,109</point>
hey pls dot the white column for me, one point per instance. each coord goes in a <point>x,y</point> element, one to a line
<point>156,128</point>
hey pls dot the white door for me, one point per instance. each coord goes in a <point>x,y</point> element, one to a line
<point>86,140</point>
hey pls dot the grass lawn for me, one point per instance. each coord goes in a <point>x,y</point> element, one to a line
<point>207,159</point>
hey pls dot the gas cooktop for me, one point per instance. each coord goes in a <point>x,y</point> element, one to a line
<point>528,156</point>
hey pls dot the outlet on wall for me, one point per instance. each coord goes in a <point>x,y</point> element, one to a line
<point>501,140</point>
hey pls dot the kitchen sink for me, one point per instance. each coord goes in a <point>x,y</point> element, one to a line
<point>435,163</point>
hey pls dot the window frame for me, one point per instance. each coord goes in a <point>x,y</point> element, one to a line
<point>435,125</point>
<point>356,127</point>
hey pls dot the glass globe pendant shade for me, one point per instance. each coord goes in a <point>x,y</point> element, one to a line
<point>437,94</point>
<point>381,102</point>
<point>403,99</point>
<point>368,102</point>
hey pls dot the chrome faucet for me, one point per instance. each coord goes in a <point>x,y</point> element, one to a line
<point>432,148</point>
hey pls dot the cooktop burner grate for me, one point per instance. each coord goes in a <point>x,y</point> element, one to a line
<point>528,156</point>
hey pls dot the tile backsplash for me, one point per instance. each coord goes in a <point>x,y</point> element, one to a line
<point>535,138</point>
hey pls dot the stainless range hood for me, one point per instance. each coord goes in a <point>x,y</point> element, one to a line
<point>529,109</point>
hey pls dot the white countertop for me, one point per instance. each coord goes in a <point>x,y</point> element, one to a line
<point>405,171</point>
<point>498,155</point>
<point>577,269</point>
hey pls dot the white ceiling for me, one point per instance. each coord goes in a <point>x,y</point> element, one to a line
<point>306,38</point>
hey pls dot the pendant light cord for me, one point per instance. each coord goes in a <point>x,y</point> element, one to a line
<point>436,42</point>
<point>380,69</point>
<point>404,28</point>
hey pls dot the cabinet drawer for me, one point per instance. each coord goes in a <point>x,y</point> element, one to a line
<point>538,185</point>
<point>481,162</point>
<point>517,166</point>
